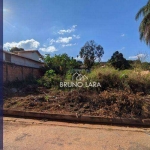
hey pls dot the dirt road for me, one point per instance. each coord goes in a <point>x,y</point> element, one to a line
<point>29,134</point>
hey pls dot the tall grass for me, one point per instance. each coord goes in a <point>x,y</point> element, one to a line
<point>129,80</point>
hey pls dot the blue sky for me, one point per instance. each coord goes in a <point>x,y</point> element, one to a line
<point>64,26</point>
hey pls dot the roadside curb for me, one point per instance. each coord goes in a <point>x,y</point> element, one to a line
<point>73,118</point>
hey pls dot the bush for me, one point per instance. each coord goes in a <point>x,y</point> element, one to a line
<point>108,78</point>
<point>49,82</point>
<point>50,73</point>
<point>110,81</point>
<point>145,66</point>
<point>50,79</point>
<point>69,74</point>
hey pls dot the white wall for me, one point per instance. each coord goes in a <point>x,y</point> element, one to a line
<point>23,61</point>
<point>31,55</point>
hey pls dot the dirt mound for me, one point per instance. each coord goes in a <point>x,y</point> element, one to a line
<point>107,103</point>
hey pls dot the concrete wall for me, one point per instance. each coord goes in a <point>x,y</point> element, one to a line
<point>12,72</point>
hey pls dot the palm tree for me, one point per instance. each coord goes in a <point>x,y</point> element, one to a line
<point>144,28</point>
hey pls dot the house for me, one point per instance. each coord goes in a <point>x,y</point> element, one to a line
<point>32,54</point>
<point>29,58</point>
<point>21,65</point>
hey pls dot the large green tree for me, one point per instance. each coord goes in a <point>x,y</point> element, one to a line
<point>90,52</point>
<point>144,28</point>
<point>118,61</point>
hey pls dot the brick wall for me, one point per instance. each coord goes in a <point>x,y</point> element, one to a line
<point>12,72</point>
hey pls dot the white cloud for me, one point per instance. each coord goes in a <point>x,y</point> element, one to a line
<point>81,59</point>
<point>122,35</point>
<point>72,29</point>
<point>52,41</point>
<point>74,26</point>
<point>64,40</point>
<point>48,49</point>
<point>44,45</point>
<point>76,36</point>
<point>122,48</point>
<point>78,58</point>
<point>133,57</point>
<point>139,56</point>
<point>65,45</point>
<point>28,44</point>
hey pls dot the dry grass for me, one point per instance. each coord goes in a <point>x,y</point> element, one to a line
<point>129,80</point>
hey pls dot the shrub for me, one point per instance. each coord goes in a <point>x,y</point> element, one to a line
<point>69,74</point>
<point>108,78</point>
<point>145,66</point>
<point>49,82</point>
<point>50,79</point>
<point>50,73</point>
<point>110,81</point>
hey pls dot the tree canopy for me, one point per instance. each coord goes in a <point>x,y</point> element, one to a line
<point>91,52</point>
<point>118,61</point>
<point>144,28</point>
<point>61,63</point>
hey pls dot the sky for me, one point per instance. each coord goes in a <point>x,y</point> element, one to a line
<point>64,26</point>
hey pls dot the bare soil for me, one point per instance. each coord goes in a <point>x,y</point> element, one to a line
<point>110,103</point>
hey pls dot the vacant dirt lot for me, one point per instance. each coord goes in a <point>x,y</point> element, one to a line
<point>108,103</point>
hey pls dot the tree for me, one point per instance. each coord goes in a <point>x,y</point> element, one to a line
<point>14,49</point>
<point>73,63</point>
<point>144,28</point>
<point>90,52</point>
<point>118,61</point>
<point>60,63</point>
